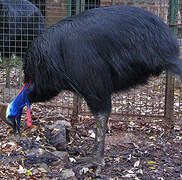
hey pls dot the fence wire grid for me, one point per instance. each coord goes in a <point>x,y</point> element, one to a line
<point>18,29</point>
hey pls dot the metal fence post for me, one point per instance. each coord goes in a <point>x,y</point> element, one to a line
<point>169,99</point>
<point>82,5</point>
<point>78,3</point>
<point>69,8</point>
<point>113,2</point>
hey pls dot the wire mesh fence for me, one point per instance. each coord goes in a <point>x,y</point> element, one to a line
<point>21,21</point>
<point>178,82</point>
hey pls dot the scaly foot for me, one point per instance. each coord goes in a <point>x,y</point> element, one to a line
<point>82,166</point>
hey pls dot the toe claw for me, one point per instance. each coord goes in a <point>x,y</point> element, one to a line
<point>98,170</point>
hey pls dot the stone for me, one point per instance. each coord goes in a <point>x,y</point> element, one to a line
<point>59,124</point>
<point>63,155</point>
<point>68,173</point>
<point>58,140</point>
<point>58,134</point>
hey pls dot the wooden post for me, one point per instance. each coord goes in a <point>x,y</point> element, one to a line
<point>76,109</point>
<point>169,101</point>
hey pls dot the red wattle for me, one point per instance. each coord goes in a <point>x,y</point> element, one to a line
<point>29,120</point>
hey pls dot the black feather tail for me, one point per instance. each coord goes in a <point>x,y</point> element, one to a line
<point>175,67</point>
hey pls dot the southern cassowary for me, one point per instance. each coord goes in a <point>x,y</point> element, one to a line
<point>94,54</point>
<point>20,23</point>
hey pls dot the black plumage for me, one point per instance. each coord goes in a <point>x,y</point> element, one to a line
<point>97,53</point>
<point>20,22</point>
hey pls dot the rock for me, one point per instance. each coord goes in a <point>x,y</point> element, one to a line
<point>58,140</point>
<point>39,156</point>
<point>59,124</point>
<point>58,135</point>
<point>43,167</point>
<point>35,152</point>
<point>63,155</point>
<point>68,173</point>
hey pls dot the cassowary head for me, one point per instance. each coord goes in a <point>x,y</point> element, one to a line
<point>14,109</point>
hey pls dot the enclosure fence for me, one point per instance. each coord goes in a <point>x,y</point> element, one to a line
<point>160,98</point>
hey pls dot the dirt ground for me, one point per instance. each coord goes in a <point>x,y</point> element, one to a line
<point>133,149</point>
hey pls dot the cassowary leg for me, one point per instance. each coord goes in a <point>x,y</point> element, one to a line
<point>98,150</point>
<point>97,157</point>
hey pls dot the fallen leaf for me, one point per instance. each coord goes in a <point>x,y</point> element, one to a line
<point>21,170</point>
<point>151,162</point>
<point>137,163</point>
